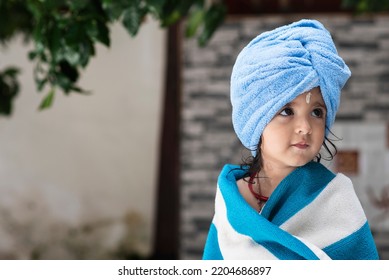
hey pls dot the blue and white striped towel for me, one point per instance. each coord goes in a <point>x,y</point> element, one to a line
<point>312,214</point>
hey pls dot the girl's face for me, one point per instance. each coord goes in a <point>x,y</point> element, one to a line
<point>295,135</point>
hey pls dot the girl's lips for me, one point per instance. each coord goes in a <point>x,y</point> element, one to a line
<point>301,145</point>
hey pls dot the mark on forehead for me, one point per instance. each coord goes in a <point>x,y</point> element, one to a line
<point>308,97</point>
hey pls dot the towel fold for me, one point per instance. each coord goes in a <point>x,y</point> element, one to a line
<point>312,214</point>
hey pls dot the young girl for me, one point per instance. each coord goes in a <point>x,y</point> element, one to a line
<point>283,204</point>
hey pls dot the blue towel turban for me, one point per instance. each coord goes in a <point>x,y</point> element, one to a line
<point>276,67</point>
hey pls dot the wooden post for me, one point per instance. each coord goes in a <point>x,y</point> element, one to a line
<point>166,230</point>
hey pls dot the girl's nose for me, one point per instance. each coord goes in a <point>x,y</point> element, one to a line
<point>303,126</point>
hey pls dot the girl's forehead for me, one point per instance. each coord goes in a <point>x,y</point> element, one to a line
<point>308,97</point>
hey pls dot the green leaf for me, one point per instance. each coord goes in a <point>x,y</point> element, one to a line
<point>75,32</point>
<point>79,4</point>
<point>363,6</point>
<point>86,50</point>
<point>54,38</point>
<point>156,7</point>
<point>69,71</point>
<point>98,31</point>
<point>132,18</point>
<point>48,100</point>
<point>103,34</point>
<point>40,83</point>
<point>72,56</point>
<point>63,82</point>
<point>172,18</point>
<point>185,6</point>
<point>81,91</point>
<point>32,55</point>
<point>348,3</point>
<point>366,6</point>
<point>213,18</point>
<point>11,72</point>
<point>9,89</point>
<point>193,23</point>
<point>115,8</point>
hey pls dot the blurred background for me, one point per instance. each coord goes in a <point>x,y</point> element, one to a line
<point>114,152</point>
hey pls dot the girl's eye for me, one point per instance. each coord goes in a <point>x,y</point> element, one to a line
<point>318,113</point>
<point>286,112</point>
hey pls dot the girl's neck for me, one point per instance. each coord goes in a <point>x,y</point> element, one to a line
<point>270,177</point>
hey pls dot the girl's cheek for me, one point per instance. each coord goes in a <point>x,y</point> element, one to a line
<point>282,119</point>
<point>319,123</point>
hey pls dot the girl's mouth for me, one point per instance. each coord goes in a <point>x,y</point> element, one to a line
<point>301,145</point>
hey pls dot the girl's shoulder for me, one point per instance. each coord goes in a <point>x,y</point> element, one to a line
<point>244,191</point>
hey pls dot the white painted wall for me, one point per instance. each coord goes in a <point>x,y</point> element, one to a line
<point>86,159</point>
<point>370,140</point>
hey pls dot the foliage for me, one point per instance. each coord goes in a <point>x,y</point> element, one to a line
<point>65,33</point>
<point>367,6</point>
<point>9,88</point>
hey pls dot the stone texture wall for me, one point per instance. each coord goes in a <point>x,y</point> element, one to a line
<point>207,137</point>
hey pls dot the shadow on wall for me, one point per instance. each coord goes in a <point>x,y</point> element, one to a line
<point>380,201</point>
<point>29,235</point>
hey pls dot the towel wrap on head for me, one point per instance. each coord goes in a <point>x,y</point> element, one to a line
<point>276,67</point>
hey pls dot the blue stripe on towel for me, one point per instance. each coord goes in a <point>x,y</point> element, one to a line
<point>287,199</point>
<point>212,249</point>
<point>280,243</point>
<point>358,245</point>
<point>267,234</point>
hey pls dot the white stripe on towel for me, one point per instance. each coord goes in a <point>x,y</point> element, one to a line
<point>336,199</point>
<point>234,245</point>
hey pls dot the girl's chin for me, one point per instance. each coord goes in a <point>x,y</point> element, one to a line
<point>300,162</point>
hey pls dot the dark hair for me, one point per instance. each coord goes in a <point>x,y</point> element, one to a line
<point>254,164</point>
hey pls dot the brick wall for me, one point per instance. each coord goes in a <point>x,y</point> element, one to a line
<point>207,137</point>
